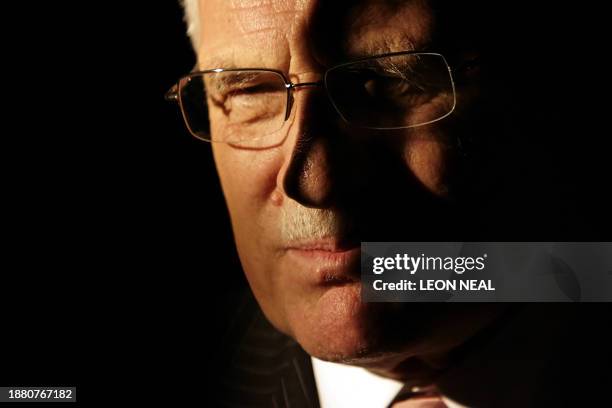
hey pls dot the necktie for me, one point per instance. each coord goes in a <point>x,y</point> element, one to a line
<point>421,402</point>
<point>421,397</point>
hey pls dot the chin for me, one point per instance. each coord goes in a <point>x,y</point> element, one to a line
<point>337,326</point>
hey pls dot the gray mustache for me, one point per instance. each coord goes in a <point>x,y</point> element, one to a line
<point>299,223</point>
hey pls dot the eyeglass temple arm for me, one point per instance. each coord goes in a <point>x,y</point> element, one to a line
<point>172,94</point>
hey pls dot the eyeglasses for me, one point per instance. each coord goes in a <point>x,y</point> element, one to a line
<point>248,107</point>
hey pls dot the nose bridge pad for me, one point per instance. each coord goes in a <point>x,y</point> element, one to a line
<point>290,101</point>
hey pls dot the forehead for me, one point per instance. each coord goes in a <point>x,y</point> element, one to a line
<point>271,32</point>
<point>244,30</point>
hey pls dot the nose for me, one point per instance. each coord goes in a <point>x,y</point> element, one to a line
<point>309,178</point>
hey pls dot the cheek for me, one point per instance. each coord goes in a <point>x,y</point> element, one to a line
<point>248,177</point>
<point>428,159</point>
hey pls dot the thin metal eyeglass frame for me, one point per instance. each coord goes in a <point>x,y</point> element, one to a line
<point>174,94</point>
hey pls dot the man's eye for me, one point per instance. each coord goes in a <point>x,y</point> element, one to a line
<point>253,89</point>
<point>389,87</point>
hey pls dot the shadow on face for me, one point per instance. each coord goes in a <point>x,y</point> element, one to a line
<point>424,183</point>
<point>330,181</point>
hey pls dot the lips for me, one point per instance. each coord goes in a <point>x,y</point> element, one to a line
<point>326,261</point>
<point>329,244</point>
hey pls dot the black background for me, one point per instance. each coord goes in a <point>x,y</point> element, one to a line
<point>117,255</point>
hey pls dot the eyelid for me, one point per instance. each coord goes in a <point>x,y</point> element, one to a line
<point>237,80</point>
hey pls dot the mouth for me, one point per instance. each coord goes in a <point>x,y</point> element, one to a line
<point>327,262</point>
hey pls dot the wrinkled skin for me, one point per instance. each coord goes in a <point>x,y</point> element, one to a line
<point>374,186</point>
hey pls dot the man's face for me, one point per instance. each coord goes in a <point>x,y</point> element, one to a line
<point>300,209</point>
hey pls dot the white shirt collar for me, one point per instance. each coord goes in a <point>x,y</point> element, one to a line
<point>344,386</point>
<point>341,386</point>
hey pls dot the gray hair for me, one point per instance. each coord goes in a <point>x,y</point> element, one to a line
<point>191,9</point>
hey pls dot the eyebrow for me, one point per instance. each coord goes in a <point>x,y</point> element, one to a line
<point>215,62</point>
<point>236,77</point>
<point>231,80</point>
<point>227,60</point>
<point>370,49</point>
<point>395,68</point>
<point>356,50</point>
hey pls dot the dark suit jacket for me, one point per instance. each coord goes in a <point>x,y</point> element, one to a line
<point>262,367</point>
